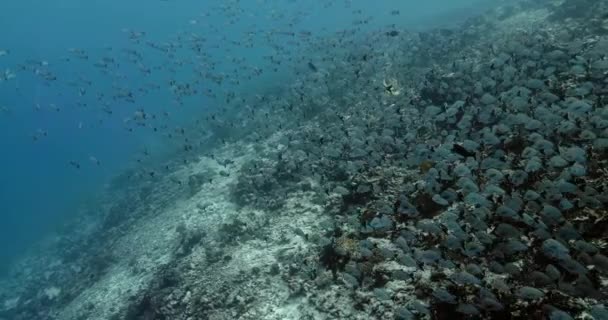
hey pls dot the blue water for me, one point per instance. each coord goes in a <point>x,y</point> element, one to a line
<point>39,189</point>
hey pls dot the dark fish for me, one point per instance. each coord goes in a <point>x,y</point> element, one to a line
<point>462,151</point>
<point>392,33</point>
<point>312,67</point>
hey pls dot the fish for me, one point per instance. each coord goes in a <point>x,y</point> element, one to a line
<point>95,160</point>
<point>8,74</point>
<point>312,67</point>
<point>392,33</point>
<point>462,151</point>
<point>4,52</point>
<point>39,134</point>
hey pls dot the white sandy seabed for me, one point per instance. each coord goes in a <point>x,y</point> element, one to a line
<point>229,274</point>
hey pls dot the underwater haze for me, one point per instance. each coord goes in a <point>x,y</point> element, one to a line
<point>289,159</point>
